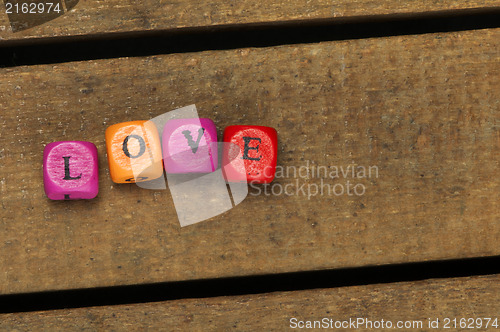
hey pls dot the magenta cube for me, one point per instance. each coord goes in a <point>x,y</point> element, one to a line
<point>70,170</point>
<point>190,146</point>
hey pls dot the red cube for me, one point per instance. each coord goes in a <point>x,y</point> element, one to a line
<point>252,155</point>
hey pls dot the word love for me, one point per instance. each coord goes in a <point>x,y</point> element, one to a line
<point>136,154</point>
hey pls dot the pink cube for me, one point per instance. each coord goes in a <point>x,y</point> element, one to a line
<point>70,170</point>
<point>190,146</point>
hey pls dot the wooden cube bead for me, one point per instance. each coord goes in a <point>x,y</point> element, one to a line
<point>134,152</point>
<point>70,170</point>
<point>257,146</point>
<point>190,146</point>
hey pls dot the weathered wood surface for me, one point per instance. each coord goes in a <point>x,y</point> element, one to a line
<point>97,17</point>
<point>416,302</point>
<point>423,109</point>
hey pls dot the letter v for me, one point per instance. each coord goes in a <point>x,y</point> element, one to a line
<point>192,144</point>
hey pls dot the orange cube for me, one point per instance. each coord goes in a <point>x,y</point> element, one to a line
<point>134,152</point>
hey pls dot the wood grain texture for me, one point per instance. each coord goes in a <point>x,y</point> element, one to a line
<point>423,109</point>
<point>97,17</point>
<point>475,297</point>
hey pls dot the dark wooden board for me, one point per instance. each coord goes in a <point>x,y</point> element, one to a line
<point>90,18</point>
<point>423,109</point>
<point>409,302</point>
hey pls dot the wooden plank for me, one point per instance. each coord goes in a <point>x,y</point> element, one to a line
<point>423,109</point>
<point>411,302</point>
<point>98,17</point>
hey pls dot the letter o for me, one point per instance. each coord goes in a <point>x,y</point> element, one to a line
<point>142,146</point>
